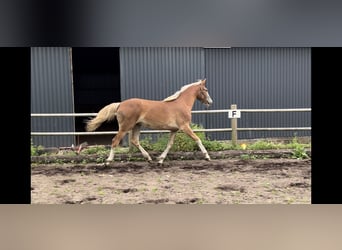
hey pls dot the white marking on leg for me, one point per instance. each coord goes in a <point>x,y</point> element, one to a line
<point>111,155</point>
<point>204,151</point>
<point>189,132</point>
<point>168,147</point>
<point>115,141</point>
<point>144,153</point>
<point>135,142</point>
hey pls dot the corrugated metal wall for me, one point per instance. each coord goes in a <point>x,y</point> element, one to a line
<point>260,78</point>
<point>158,72</point>
<point>51,92</point>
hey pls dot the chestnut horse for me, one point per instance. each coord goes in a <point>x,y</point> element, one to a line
<point>173,113</point>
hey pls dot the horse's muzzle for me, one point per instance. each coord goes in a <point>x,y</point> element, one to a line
<point>209,101</point>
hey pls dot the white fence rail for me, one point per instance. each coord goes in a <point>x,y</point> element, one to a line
<point>163,131</point>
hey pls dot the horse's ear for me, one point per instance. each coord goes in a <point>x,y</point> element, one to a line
<point>204,81</point>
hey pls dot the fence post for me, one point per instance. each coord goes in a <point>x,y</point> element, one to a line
<point>234,126</point>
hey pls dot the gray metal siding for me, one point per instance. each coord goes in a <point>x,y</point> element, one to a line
<point>155,73</point>
<point>260,78</point>
<point>51,92</point>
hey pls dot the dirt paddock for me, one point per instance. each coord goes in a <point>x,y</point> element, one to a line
<point>268,180</point>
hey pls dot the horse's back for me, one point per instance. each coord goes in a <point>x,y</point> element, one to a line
<point>137,107</point>
<point>135,102</point>
<point>150,113</point>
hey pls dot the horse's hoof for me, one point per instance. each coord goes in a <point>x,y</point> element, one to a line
<point>103,164</point>
<point>107,162</point>
<point>160,160</point>
<point>207,159</point>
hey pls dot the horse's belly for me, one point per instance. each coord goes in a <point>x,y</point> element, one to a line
<point>155,124</point>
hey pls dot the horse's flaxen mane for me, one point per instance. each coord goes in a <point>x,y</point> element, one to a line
<point>176,95</point>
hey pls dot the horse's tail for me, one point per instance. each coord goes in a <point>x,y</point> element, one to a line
<point>107,113</point>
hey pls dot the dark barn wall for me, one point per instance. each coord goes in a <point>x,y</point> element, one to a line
<point>96,76</point>
<point>51,92</point>
<point>260,78</point>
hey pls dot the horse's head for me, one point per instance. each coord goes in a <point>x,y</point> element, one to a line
<point>203,94</point>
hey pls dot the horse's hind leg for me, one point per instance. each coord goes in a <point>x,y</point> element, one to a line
<point>168,147</point>
<point>115,142</point>
<point>135,142</point>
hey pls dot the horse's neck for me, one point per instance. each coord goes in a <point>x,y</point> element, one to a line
<point>188,98</point>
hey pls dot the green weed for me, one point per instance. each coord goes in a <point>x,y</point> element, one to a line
<point>36,150</point>
<point>299,152</point>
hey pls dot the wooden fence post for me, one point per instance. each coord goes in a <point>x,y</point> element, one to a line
<point>234,126</point>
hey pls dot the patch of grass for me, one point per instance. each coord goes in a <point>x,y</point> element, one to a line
<point>99,149</point>
<point>298,149</point>
<point>264,144</point>
<point>299,152</point>
<point>247,157</point>
<point>69,153</point>
<point>183,143</point>
<point>267,144</point>
<point>36,150</point>
<point>213,145</point>
<point>100,159</point>
<point>295,143</point>
<point>56,160</point>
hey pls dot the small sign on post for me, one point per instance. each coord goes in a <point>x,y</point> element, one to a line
<point>234,114</point>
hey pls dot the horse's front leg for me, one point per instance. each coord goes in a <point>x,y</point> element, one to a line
<point>168,147</point>
<point>189,132</point>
